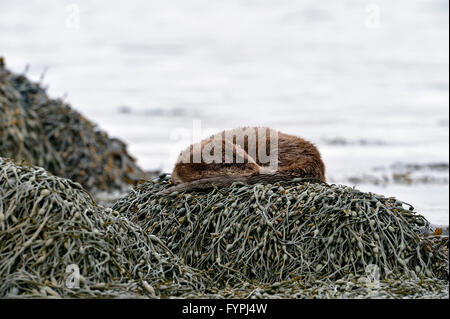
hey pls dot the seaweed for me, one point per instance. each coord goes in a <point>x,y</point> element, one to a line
<point>49,133</point>
<point>51,227</point>
<point>271,233</point>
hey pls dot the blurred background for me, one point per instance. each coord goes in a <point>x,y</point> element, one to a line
<point>366,81</point>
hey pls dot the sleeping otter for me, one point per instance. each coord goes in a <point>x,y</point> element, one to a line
<point>250,155</point>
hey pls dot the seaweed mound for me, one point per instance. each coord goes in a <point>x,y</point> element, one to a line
<point>264,241</point>
<point>49,133</point>
<point>286,231</point>
<point>55,241</point>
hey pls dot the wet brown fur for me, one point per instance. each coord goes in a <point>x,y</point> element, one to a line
<point>296,158</point>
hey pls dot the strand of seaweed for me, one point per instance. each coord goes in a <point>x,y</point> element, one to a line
<point>275,232</point>
<point>48,224</point>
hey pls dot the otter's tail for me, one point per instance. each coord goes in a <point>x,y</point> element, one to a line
<point>225,181</point>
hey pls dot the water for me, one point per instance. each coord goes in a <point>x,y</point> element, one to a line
<point>371,75</point>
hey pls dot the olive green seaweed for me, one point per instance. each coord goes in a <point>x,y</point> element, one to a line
<point>49,133</point>
<point>49,224</point>
<point>295,231</point>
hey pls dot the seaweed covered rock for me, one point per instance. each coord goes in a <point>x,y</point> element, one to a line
<point>56,242</point>
<point>20,130</point>
<point>273,233</point>
<point>49,133</point>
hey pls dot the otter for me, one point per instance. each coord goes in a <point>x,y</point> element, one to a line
<point>249,155</point>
